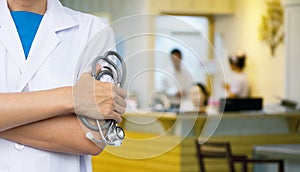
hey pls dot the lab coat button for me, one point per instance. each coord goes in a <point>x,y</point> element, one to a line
<point>19,146</point>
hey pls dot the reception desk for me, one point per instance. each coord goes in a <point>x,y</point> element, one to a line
<point>163,141</point>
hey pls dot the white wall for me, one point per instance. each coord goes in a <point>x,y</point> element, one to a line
<point>240,31</point>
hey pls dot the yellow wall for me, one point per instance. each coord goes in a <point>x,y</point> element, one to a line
<point>191,6</point>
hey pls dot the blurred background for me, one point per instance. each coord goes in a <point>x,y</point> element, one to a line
<point>228,25</point>
<point>208,33</point>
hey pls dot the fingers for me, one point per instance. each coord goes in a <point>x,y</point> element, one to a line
<point>120,107</point>
<point>98,68</point>
<point>110,100</point>
<point>98,100</point>
<point>117,117</point>
<point>120,92</point>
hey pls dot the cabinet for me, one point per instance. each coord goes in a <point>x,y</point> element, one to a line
<point>292,14</point>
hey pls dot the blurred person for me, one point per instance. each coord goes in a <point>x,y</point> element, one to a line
<point>237,86</point>
<point>199,96</point>
<point>178,81</point>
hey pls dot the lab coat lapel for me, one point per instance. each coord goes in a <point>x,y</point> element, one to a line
<point>46,39</point>
<point>9,36</point>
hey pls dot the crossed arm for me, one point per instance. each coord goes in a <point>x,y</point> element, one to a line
<point>59,134</point>
<point>46,120</point>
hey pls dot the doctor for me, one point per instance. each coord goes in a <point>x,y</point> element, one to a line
<point>40,45</point>
<point>176,84</point>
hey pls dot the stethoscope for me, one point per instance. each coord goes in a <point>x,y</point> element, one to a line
<point>110,73</point>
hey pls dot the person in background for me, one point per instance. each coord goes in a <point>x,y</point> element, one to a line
<point>40,45</point>
<point>237,86</point>
<point>178,81</point>
<point>199,96</point>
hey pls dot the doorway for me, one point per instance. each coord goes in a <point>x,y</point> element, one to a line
<point>190,35</point>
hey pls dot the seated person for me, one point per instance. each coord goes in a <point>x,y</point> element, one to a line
<point>199,96</point>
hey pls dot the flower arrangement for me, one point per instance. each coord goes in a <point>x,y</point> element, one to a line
<point>271,26</point>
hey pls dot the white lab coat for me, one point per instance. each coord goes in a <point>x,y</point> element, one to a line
<point>51,63</point>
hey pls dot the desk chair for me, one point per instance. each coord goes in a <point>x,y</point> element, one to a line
<point>222,150</point>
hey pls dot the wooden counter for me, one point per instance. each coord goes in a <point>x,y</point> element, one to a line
<point>158,141</point>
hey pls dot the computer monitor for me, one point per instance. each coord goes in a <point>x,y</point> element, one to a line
<point>241,104</point>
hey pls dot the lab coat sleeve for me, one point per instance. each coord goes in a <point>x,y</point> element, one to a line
<point>101,40</point>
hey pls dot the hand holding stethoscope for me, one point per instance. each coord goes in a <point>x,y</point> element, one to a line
<point>106,98</point>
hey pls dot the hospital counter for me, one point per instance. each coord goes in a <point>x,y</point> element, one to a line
<point>158,141</point>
